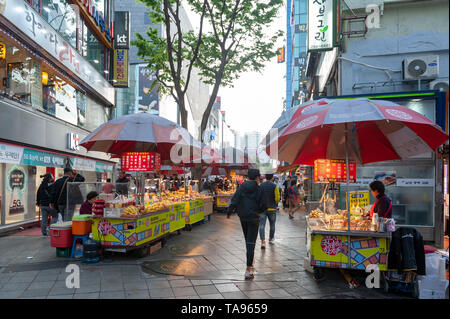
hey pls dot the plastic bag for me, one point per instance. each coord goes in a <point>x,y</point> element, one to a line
<point>60,218</point>
<point>432,265</point>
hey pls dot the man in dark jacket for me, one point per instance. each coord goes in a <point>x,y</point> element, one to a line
<point>122,187</point>
<point>249,201</point>
<point>43,199</point>
<point>59,198</point>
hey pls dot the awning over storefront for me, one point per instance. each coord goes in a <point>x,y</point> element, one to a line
<point>15,154</point>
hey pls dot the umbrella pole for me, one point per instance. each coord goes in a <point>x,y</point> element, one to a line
<point>347,199</point>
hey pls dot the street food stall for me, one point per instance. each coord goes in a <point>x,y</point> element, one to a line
<point>335,241</point>
<point>359,131</point>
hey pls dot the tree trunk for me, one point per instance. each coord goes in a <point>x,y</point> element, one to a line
<point>183,113</point>
<point>207,112</point>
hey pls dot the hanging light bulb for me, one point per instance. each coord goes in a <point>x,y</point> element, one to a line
<point>44,78</point>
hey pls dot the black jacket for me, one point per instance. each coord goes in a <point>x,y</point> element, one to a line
<point>122,188</point>
<point>58,189</point>
<point>249,201</point>
<point>407,251</point>
<point>44,194</point>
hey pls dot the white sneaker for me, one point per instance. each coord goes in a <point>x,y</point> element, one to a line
<point>249,274</point>
<point>263,245</point>
<point>271,241</point>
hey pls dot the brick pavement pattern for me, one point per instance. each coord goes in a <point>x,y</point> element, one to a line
<point>207,262</point>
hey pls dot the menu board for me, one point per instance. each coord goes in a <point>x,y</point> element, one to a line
<point>333,171</point>
<point>141,161</point>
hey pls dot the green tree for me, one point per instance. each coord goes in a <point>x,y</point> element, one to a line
<point>237,43</point>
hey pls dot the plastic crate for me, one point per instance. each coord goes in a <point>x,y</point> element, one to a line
<point>63,252</point>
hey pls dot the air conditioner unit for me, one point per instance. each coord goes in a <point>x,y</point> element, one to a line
<point>424,67</point>
<point>440,85</point>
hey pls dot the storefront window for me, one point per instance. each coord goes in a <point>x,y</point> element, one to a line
<point>411,190</point>
<point>32,81</point>
<point>20,200</point>
<point>93,50</point>
<point>96,114</point>
<point>62,17</point>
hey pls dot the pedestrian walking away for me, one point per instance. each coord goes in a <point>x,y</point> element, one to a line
<point>249,202</point>
<point>293,197</point>
<point>272,195</point>
<point>286,185</point>
<point>43,199</point>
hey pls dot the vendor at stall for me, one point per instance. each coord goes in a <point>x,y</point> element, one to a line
<point>382,206</point>
<point>86,207</point>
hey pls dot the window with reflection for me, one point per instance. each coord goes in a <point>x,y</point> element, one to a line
<point>62,17</point>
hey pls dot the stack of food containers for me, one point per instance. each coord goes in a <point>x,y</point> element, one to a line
<point>98,207</point>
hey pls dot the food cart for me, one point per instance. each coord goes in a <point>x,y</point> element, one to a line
<point>336,239</point>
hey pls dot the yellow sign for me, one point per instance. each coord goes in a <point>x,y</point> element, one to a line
<point>359,198</point>
<point>194,211</point>
<point>2,50</point>
<point>120,71</point>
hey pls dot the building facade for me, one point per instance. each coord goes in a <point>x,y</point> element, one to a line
<point>55,57</point>
<point>296,80</point>
<point>392,57</point>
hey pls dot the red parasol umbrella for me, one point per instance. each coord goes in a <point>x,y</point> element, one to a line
<point>142,132</point>
<point>375,131</point>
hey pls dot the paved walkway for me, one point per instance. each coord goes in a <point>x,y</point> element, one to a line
<point>207,262</point>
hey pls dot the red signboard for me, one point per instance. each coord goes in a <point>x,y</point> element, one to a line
<point>141,161</point>
<point>334,171</point>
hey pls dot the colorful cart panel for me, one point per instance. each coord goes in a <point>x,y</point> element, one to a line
<point>331,251</point>
<point>223,201</point>
<point>120,232</point>
<point>194,211</point>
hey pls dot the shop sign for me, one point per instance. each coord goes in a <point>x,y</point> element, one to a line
<point>10,154</point>
<point>2,50</point>
<point>415,182</point>
<point>120,68</point>
<point>141,161</point>
<point>359,198</point>
<point>333,171</point>
<point>23,16</point>
<point>89,9</point>
<point>73,141</point>
<point>121,30</point>
<point>83,164</point>
<point>323,24</point>
<point>103,167</point>
<point>40,158</point>
<point>281,55</point>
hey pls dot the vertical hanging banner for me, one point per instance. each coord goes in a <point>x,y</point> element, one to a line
<point>120,67</point>
<point>121,30</point>
<point>323,24</point>
<point>281,55</point>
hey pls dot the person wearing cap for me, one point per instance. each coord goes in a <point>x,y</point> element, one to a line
<point>249,201</point>
<point>86,207</point>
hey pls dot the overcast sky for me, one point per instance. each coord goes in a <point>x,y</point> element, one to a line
<point>256,100</point>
